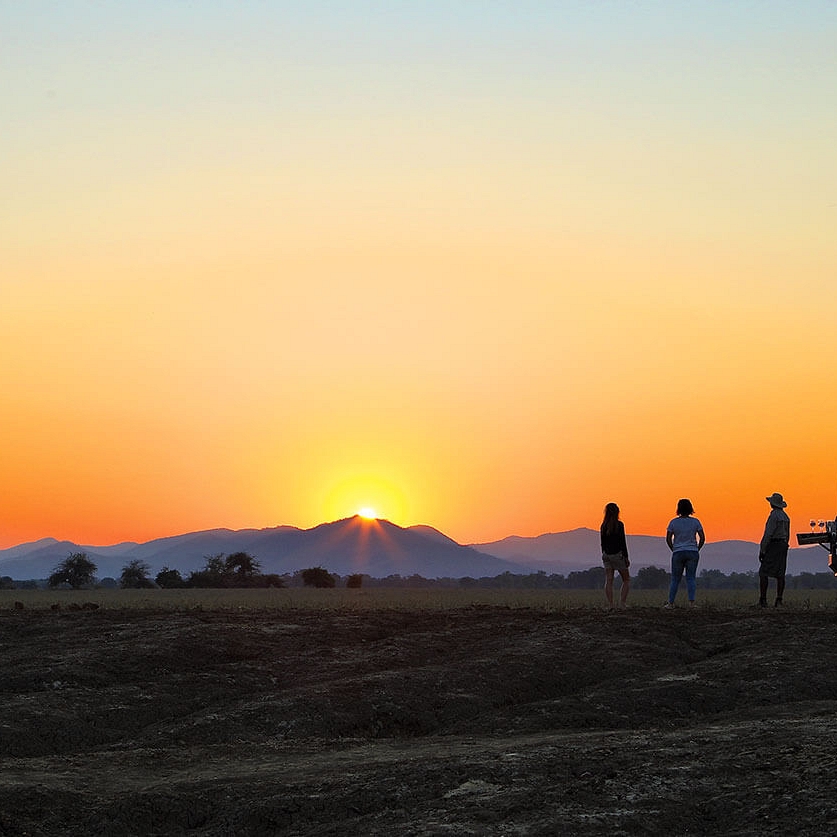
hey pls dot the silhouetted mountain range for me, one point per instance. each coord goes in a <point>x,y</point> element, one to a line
<point>380,548</point>
<point>579,549</point>
<point>354,545</point>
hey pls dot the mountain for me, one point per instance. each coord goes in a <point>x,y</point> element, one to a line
<point>353,545</point>
<point>579,549</point>
<point>380,548</point>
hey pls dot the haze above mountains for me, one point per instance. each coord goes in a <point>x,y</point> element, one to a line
<point>380,549</point>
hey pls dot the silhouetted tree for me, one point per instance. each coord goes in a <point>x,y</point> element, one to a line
<point>169,578</point>
<point>135,575</point>
<point>241,567</point>
<point>586,579</point>
<point>652,578</point>
<point>317,577</point>
<point>76,569</point>
<point>212,575</point>
<point>712,579</point>
<point>355,581</point>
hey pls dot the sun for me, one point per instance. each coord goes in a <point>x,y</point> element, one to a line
<point>368,513</point>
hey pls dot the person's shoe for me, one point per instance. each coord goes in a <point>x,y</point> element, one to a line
<point>777,603</point>
<point>762,603</point>
<point>668,606</point>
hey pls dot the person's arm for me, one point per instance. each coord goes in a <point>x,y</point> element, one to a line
<point>670,539</point>
<point>624,541</point>
<point>701,539</point>
<point>769,529</point>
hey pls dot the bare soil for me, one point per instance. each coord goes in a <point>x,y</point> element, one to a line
<point>476,721</point>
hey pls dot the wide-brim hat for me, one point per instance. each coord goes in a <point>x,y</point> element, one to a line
<point>777,500</point>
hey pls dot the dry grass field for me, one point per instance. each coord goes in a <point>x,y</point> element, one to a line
<point>415,712</point>
<point>307,598</point>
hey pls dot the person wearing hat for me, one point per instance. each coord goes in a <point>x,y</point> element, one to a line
<point>773,549</point>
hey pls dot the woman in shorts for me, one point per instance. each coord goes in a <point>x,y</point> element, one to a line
<point>615,554</point>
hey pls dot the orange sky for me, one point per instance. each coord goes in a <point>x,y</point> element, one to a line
<point>482,271</point>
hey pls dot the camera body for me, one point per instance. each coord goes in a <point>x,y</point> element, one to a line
<point>826,538</point>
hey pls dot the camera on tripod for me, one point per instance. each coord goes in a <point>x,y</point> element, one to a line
<point>826,537</point>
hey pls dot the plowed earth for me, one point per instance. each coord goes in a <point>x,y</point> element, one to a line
<point>479,721</point>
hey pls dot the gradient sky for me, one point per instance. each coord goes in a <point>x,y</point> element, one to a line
<point>481,265</point>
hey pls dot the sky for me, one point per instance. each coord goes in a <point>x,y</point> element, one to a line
<point>485,266</point>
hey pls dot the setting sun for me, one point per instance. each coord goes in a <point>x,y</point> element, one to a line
<point>367,513</point>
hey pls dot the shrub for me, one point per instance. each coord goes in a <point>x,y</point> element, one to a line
<point>318,577</point>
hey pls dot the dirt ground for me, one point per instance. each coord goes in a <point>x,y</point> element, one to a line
<point>475,721</point>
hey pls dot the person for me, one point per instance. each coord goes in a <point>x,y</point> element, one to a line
<point>685,539</point>
<point>773,549</point>
<point>615,554</point>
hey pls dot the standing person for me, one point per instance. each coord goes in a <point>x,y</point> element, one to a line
<point>773,549</point>
<point>615,553</point>
<point>685,539</point>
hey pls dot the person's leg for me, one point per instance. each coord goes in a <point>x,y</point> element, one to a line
<point>762,590</point>
<point>780,589</point>
<point>691,574</point>
<point>781,570</point>
<point>676,574</point>
<point>609,585</point>
<point>626,586</point>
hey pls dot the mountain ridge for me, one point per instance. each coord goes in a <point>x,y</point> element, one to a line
<point>351,545</point>
<point>380,548</point>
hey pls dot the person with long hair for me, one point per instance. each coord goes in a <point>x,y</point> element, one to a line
<point>615,554</point>
<point>685,539</point>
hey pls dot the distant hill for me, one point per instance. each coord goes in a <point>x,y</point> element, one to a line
<point>353,545</point>
<point>579,549</point>
<point>380,548</point>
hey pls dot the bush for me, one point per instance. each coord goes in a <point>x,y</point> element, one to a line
<point>318,577</point>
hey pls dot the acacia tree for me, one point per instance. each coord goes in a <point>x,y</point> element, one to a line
<point>76,569</point>
<point>241,568</point>
<point>135,574</point>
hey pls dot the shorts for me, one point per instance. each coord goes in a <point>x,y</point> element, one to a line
<point>774,562</point>
<point>616,562</point>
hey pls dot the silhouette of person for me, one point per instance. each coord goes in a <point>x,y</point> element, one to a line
<point>773,549</point>
<point>685,539</point>
<point>615,554</point>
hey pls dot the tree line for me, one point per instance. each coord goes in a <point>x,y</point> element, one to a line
<point>240,569</point>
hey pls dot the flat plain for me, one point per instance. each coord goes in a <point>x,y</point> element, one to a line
<point>302,712</point>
